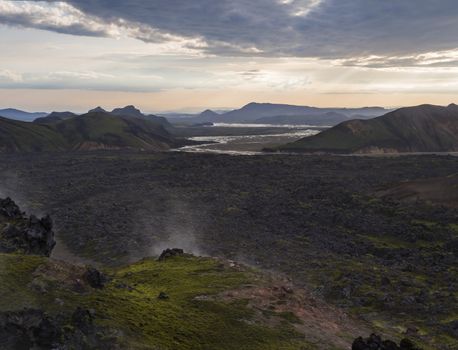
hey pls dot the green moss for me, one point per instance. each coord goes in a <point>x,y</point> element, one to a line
<point>193,317</point>
<point>454,227</point>
<point>15,277</point>
<point>428,224</point>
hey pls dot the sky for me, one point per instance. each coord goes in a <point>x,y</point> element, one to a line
<point>186,56</point>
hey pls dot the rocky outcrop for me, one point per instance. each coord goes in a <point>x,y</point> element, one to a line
<point>9,209</point>
<point>22,234</point>
<point>34,329</point>
<point>168,253</point>
<point>375,342</point>
<point>95,278</point>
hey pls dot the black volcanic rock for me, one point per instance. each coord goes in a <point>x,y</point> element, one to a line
<point>83,319</point>
<point>95,278</point>
<point>25,235</point>
<point>168,253</point>
<point>28,329</point>
<point>10,209</point>
<point>375,342</point>
<point>35,329</point>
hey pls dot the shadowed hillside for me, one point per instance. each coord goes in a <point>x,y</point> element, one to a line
<point>95,130</point>
<point>22,136</point>
<point>424,128</point>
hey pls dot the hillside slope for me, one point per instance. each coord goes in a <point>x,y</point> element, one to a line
<point>424,128</point>
<point>96,130</point>
<point>175,302</point>
<point>16,136</point>
<point>101,130</point>
<point>54,117</point>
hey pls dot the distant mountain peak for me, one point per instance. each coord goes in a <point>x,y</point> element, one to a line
<point>54,117</point>
<point>255,104</point>
<point>13,113</point>
<point>97,109</point>
<point>129,110</point>
<point>209,112</point>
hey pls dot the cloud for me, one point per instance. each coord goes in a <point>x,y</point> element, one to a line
<point>79,80</point>
<point>302,28</point>
<point>439,59</point>
<point>10,76</point>
<point>62,17</point>
<point>272,28</point>
<point>59,17</point>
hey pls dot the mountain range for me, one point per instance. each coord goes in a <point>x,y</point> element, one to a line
<point>424,128</point>
<point>264,113</point>
<point>17,114</point>
<point>268,113</point>
<point>124,128</point>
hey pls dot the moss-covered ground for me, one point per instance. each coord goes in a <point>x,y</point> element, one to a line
<point>129,303</point>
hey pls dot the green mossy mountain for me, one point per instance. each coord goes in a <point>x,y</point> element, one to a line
<point>424,128</point>
<point>95,130</point>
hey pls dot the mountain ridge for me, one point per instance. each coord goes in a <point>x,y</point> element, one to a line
<point>17,114</point>
<point>90,131</point>
<point>262,113</point>
<point>423,128</point>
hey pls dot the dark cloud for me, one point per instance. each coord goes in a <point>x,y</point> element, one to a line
<point>24,20</point>
<point>332,29</point>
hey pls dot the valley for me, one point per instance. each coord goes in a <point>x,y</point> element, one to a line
<point>320,219</point>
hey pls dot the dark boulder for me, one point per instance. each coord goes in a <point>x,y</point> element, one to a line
<point>407,344</point>
<point>359,344</point>
<point>24,235</point>
<point>9,209</point>
<point>375,342</point>
<point>168,253</point>
<point>83,320</point>
<point>28,329</point>
<point>95,278</point>
<point>34,329</point>
<point>163,296</point>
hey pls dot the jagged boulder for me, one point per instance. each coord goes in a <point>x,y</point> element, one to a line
<point>83,320</point>
<point>95,278</point>
<point>34,329</point>
<point>28,329</point>
<point>24,235</point>
<point>9,209</point>
<point>168,253</point>
<point>375,342</point>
